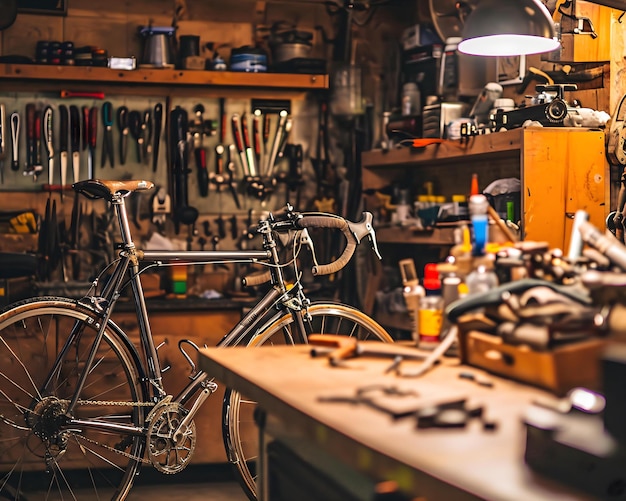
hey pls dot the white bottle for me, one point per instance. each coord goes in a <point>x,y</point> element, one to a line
<point>480,280</point>
<point>411,99</point>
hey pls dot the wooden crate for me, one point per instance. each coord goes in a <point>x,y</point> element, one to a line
<point>557,370</point>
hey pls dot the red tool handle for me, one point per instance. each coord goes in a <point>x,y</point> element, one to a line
<point>244,130</point>
<point>236,133</point>
<point>93,95</point>
<point>30,121</point>
<point>93,126</point>
<point>85,126</point>
<point>255,136</point>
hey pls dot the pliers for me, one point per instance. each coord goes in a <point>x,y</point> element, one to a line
<point>122,123</point>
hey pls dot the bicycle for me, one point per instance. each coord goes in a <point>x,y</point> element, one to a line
<point>76,393</point>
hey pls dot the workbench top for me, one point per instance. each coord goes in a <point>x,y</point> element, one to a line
<point>437,463</point>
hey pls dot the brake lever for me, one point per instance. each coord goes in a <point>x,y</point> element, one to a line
<point>305,239</point>
<point>364,228</point>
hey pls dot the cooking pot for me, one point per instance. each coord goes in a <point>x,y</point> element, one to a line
<point>158,46</point>
<point>290,44</point>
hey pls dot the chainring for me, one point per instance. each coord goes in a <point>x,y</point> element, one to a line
<point>167,454</point>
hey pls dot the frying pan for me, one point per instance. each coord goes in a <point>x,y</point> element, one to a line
<point>8,13</point>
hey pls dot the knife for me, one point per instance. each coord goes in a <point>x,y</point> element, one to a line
<point>15,141</point>
<point>248,146</point>
<point>92,134</point>
<point>3,131</point>
<point>75,140</point>
<point>235,125</point>
<point>122,123</point>
<point>48,126</point>
<point>63,144</point>
<point>158,124</point>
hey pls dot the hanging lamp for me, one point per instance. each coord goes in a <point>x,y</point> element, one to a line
<point>508,28</point>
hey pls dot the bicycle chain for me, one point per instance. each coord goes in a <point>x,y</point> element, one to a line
<point>118,403</point>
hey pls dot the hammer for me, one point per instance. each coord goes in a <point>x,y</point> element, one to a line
<point>347,347</point>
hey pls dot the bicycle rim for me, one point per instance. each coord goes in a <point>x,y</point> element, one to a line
<point>238,425</point>
<point>39,457</point>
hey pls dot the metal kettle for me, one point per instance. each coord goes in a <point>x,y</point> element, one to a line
<point>158,46</point>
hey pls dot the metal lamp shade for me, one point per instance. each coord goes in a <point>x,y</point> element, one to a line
<point>508,28</point>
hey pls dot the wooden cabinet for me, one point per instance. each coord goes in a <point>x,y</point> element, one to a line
<point>561,171</point>
<point>203,327</point>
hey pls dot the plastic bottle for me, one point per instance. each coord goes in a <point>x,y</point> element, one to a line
<point>411,99</point>
<point>480,280</point>
<point>431,309</point>
<point>478,206</point>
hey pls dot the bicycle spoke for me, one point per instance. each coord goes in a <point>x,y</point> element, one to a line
<point>34,338</point>
<point>240,432</point>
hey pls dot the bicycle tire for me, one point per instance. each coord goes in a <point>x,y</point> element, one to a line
<point>237,412</point>
<point>82,462</point>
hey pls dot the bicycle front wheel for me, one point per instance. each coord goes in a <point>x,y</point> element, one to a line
<point>238,426</point>
<point>44,343</point>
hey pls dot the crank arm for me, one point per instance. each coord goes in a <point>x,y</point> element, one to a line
<point>209,388</point>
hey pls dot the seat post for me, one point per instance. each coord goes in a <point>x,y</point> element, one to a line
<point>117,200</point>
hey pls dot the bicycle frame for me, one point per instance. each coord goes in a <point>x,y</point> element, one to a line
<point>128,268</point>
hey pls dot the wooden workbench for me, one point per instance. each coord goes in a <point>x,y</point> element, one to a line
<point>435,463</point>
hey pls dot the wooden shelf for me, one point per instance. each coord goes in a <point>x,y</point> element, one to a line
<point>408,235</point>
<point>85,77</point>
<point>500,144</point>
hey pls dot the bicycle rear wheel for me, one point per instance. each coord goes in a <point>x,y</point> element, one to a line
<point>238,426</point>
<point>41,457</point>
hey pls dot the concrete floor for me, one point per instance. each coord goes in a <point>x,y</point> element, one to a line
<point>206,483</point>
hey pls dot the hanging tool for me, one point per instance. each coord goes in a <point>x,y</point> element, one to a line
<point>276,142</point>
<point>158,125</point>
<point>75,141</point>
<point>84,131</point>
<point>135,124</point>
<point>48,128</point>
<point>74,237</point>
<point>91,139</point>
<point>3,131</point>
<point>236,130</point>
<point>248,146</point>
<point>161,207</point>
<point>256,139</point>
<point>33,143</point>
<point>146,135</point>
<point>92,95</point>
<point>200,152</point>
<point>122,124</point>
<point>107,143</point>
<point>293,178</point>
<point>15,141</point>
<point>63,145</point>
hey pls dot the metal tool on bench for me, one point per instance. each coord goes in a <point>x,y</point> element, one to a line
<point>345,347</point>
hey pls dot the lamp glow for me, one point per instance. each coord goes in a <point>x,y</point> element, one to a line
<point>508,28</point>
